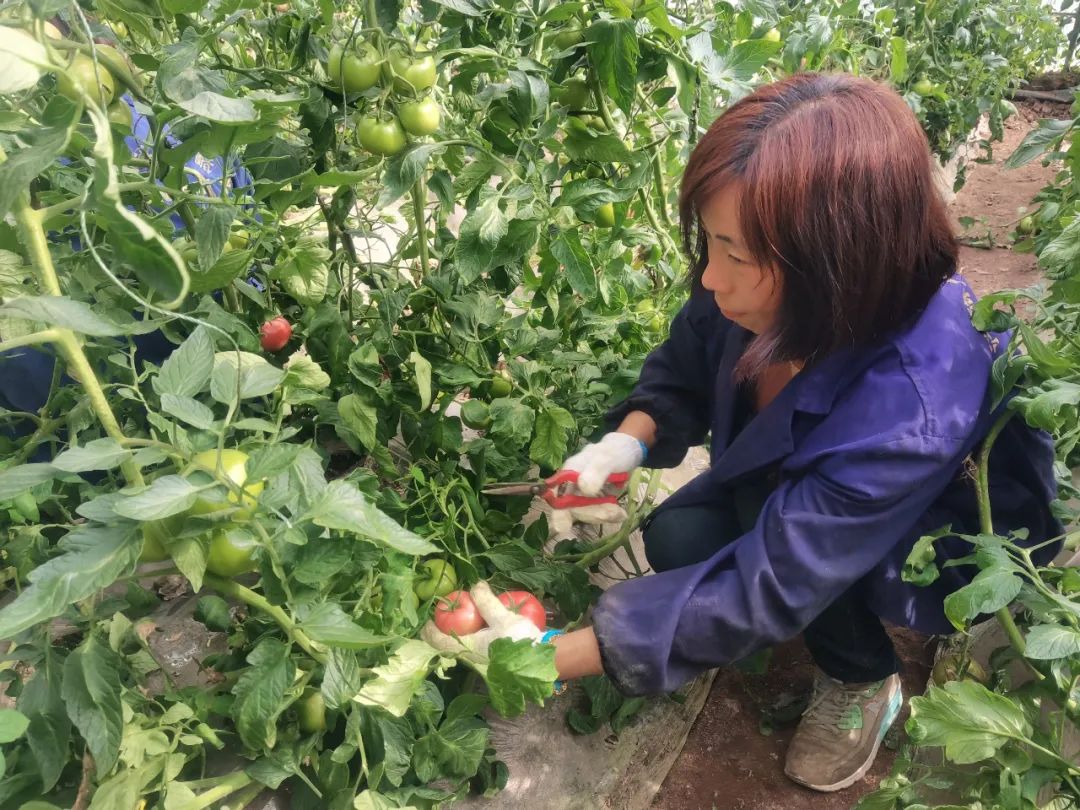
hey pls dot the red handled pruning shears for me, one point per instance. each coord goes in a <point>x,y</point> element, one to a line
<point>554,490</point>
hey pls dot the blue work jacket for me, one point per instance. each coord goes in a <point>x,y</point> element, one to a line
<point>868,450</point>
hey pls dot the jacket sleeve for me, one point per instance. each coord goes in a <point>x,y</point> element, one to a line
<point>816,536</point>
<point>676,382</point>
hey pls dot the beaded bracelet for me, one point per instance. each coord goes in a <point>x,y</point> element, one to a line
<point>559,686</point>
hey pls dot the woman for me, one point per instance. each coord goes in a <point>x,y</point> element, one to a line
<point>828,349</point>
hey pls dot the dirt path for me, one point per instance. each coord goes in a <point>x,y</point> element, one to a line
<point>728,763</point>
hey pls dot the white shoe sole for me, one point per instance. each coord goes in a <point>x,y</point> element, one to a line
<point>895,703</point>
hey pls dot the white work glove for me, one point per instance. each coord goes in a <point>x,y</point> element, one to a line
<point>615,453</point>
<point>502,623</point>
<point>561,521</point>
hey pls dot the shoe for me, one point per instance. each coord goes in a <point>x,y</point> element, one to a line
<point>841,731</point>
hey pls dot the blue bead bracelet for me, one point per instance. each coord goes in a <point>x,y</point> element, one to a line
<point>559,686</point>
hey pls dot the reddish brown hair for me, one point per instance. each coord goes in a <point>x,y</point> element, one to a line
<point>838,196</point>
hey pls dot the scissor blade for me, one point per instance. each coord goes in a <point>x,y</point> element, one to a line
<point>511,489</point>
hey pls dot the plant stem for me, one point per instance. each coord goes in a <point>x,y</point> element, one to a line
<point>418,194</point>
<point>225,788</point>
<point>252,599</point>
<point>986,526</point>
<point>32,235</point>
<point>44,336</point>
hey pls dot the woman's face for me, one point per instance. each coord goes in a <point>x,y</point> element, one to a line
<point>746,293</point>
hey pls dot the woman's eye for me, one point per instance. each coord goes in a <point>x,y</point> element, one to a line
<point>736,259</point>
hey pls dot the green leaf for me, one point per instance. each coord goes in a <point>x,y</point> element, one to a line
<point>568,251</point>
<point>396,682</point>
<point>329,624</point>
<point>229,266</point>
<point>455,750</point>
<point>56,310</point>
<point>743,62</point>
<point>1041,139</point>
<point>614,51</point>
<point>95,556</point>
<point>188,410</point>
<point>40,146</point>
<point>1050,362</point>
<point>17,480</point>
<point>221,109</point>
<point>345,508</point>
<point>256,377</point>
<point>388,740</point>
<point>519,672</point>
<point>260,693</point>
<point>422,369</point>
<point>898,66</point>
<point>1063,253</point>
<point>13,724</point>
<point>475,173</point>
<point>49,730</point>
<point>1050,641</point>
<point>213,611</point>
<point>342,678</point>
<point>1049,406</point>
<point>303,372</point>
<point>990,590</point>
<point>166,496</point>
<point>212,233</point>
<point>549,444</point>
<point>360,417</point>
<point>511,420</point>
<point>186,372</point>
<point>99,454</point>
<point>404,170</point>
<point>467,8</point>
<point>304,272</point>
<point>473,257</point>
<point>270,459</point>
<point>91,693</point>
<point>969,720</point>
<point>189,555</point>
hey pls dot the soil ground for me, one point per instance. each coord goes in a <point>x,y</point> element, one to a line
<point>728,763</point>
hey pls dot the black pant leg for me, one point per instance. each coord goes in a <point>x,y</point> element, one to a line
<point>689,535</point>
<point>848,642</point>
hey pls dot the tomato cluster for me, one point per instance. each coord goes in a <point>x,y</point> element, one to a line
<point>457,614</point>
<point>405,81</point>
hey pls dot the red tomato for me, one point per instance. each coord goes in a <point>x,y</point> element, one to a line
<point>275,333</point>
<point>457,614</point>
<point>527,605</point>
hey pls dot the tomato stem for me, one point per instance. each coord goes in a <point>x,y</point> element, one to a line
<point>252,599</point>
<point>418,194</point>
<point>226,787</point>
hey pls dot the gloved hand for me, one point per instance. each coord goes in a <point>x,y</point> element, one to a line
<point>614,453</point>
<point>502,623</point>
<point>561,521</point>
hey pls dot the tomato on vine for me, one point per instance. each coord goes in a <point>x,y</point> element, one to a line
<point>234,466</point>
<point>155,533</point>
<point>412,72</point>
<point>525,604</point>
<point>605,215</point>
<point>420,117</point>
<point>381,136</point>
<point>476,414</point>
<point>311,711</point>
<point>120,116</point>
<point>83,76</point>
<point>456,614</point>
<point>923,87</point>
<point>232,552</point>
<point>437,578</point>
<point>355,71</point>
<point>275,333</point>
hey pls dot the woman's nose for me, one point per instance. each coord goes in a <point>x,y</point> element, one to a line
<point>714,279</point>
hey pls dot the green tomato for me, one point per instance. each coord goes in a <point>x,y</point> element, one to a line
<point>239,239</point>
<point>645,305</point>
<point>155,533</point>
<point>232,552</point>
<point>233,465</point>
<point>311,711</point>
<point>385,137</point>
<point>120,116</point>
<point>923,87</point>
<point>412,73</point>
<point>605,215</point>
<point>1026,225</point>
<point>355,71</point>
<point>475,414</point>
<point>420,117</point>
<point>568,37</point>
<point>772,35</point>
<point>574,93</point>
<point>500,387</point>
<point>82,76</point>
<point>439,578</point>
